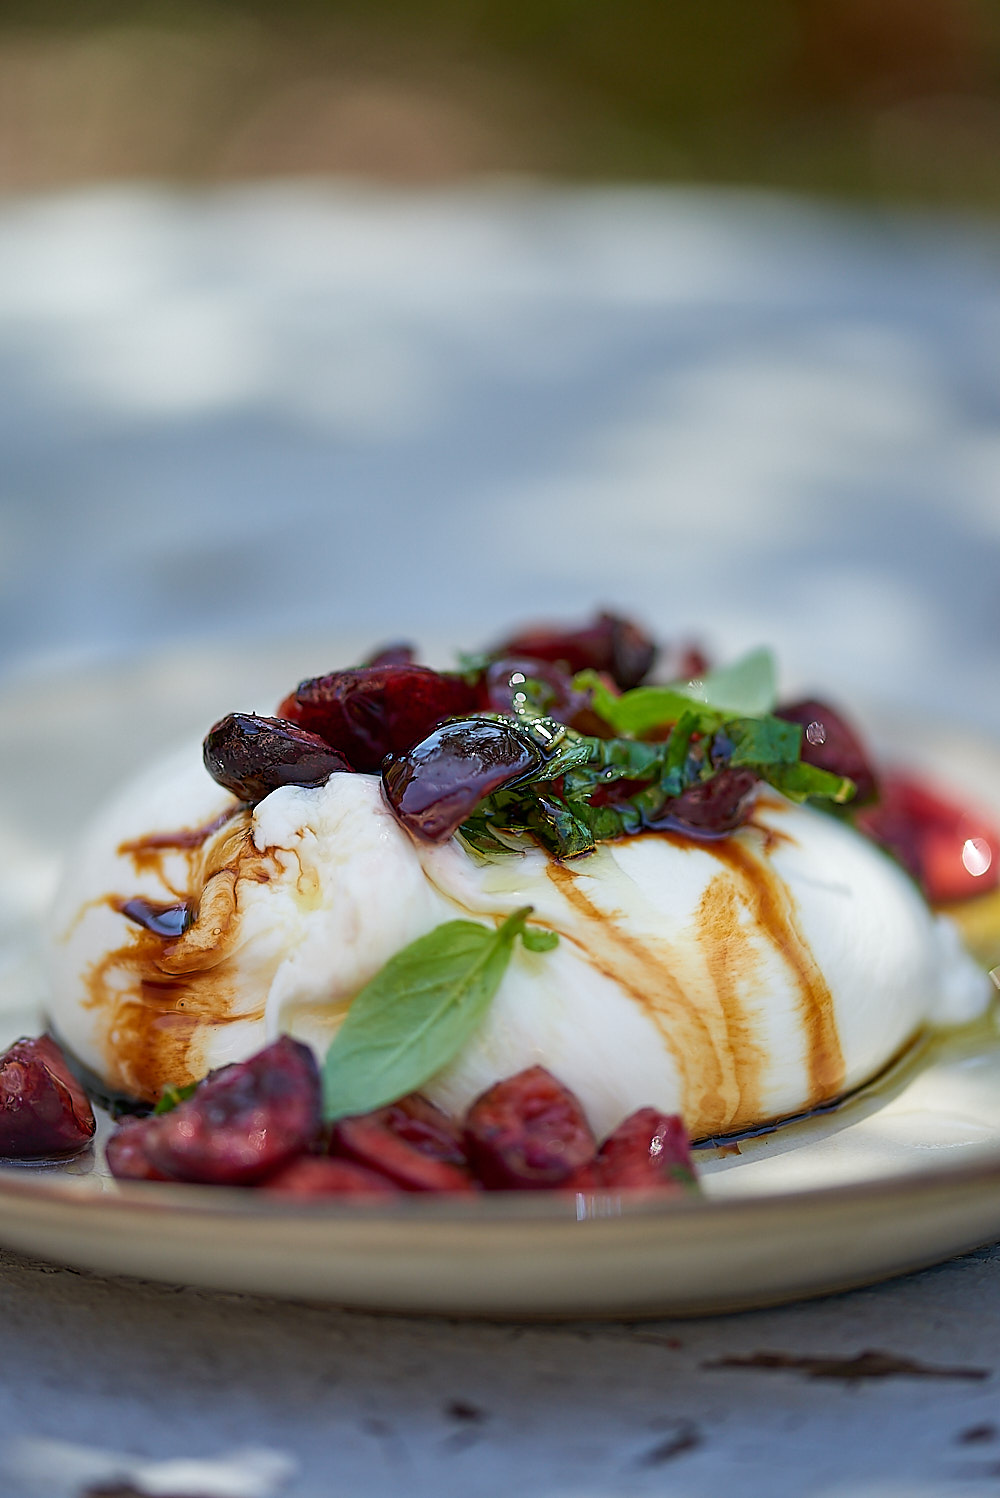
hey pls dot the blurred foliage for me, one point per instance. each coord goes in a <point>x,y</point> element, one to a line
<point>884,98</point>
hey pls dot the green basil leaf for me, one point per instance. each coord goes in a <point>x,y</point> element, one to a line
<point>748,688</point>
<point>800,781</point>
<point>641,709</point>
<point>538,939</point>
<point>560,829</point>
<point>678,745</point>
<point>174,1095</point>
<point>474,662</point>
<point>763,741</point>
<point>417,1013</point>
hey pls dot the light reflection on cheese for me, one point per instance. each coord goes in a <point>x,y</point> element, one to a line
<point>735,981</point>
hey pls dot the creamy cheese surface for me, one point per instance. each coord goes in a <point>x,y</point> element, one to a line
<point>734,981</point>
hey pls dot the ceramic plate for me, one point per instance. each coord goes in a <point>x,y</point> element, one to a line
<point>905,1174</point>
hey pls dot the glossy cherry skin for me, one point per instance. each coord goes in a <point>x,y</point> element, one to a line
<point>649,1151</point>
<point>712,807</point>
<point>244,1122</point>
<point>552,692</point>
<point>253,756</point>
<point>372,711</point>
<point>527,1133</point>
<point>316,1175</point>
<point>831,743</point>
<point>126,1154</point>
<point>607,643</point>
<point>951,849</point>
<point>434,786</point>
<point>395,653</point>
<point>412,1142</point>
<point>44,1111</point>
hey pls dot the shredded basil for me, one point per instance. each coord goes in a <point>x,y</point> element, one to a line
<point>723,719</point>
<point>174,1095</point>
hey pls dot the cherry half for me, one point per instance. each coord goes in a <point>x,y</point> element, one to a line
<point>607,643</point>
<point>434,786</point>
<point>371,711</point>
<point>252,756</point>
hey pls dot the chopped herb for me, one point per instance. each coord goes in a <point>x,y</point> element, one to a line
<point>666,741</point>
<point>174,1095</point>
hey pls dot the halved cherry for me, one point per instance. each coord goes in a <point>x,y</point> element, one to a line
<point>316,1175</point>
<point>412,1142</point>
<point>252,756</point>
<point>372,711</point>
<point>649,1150</point>
<point>527,1133</point>
<point>244,1122</point>
<point>607,643</point>
<point>126,1154</point>
<point>43,1109</point>
<point>831,743</point>
<point>434,786</point>
<point>950,847</point>
<point>712,807</point>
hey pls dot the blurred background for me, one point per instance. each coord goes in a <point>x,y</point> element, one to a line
<point>842,96</point>
<point>332,319</point>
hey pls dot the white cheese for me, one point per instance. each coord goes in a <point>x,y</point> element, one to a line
<point>733,981</point>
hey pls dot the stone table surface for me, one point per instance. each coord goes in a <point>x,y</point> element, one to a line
<point>382,1405</point>
<point>317,410</point>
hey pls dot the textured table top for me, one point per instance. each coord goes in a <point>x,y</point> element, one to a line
<point>320,411</point>
<point>386,1405</point>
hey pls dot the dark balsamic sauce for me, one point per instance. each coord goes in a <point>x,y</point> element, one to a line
<point>166,920</point>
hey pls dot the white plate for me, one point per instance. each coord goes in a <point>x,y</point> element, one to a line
<point>904,1175</point>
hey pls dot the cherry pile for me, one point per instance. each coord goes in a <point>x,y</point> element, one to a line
<point>367,714</point>
<point>258,1123</point>
<point>445,741</point>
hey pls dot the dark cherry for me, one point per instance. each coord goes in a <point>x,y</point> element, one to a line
<point>649,1150</point>
<point>951,849</point>
<point>43,1109</point>
<point>244,1122</point>
<point>314,1175</point>
<point>396,653</point>
<point>412,1142</point>
<point>373,711</point>
<point>126,1152</point>
<point>434,786</point>
<point>714,806</point>
<point>552,690</point>
<point>252,756</point>
<point>608,643</point>
<point>527,1133</point>
<point>684,662</point>
<point>831,743</point>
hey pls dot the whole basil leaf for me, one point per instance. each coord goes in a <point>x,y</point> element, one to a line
<point>535,939</point>
<point>418,1012</point>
